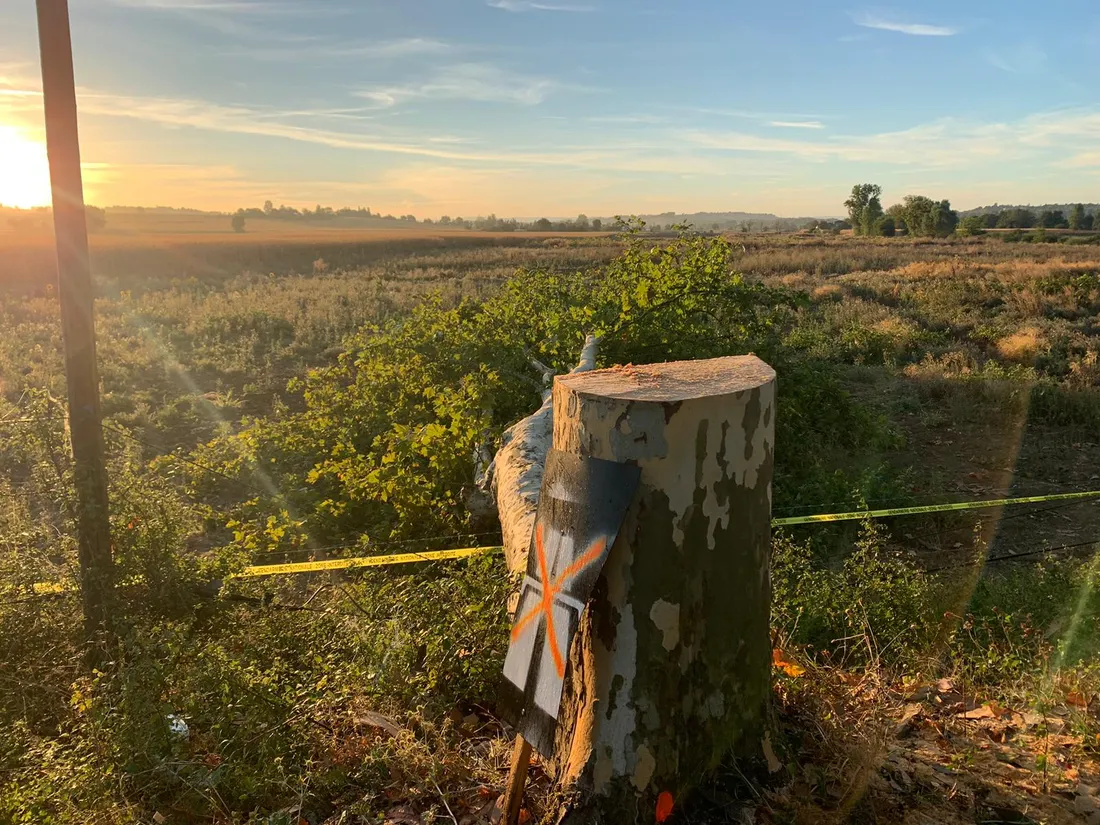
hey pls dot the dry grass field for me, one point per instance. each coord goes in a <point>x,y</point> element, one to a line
<point>260,386</point>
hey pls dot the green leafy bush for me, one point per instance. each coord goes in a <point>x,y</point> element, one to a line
<point>386,444</point>
<point>872,608</point>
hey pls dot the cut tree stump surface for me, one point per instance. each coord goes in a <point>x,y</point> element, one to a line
<point>673,381</point>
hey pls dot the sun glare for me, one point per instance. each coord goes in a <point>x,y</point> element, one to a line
<point>24,170</point>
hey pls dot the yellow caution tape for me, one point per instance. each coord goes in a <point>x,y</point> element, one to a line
<point>368,561</point>
<point>441,555</point>
<point>931,508</point>
<point>465,552</point>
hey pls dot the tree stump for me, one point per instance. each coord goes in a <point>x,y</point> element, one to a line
<point>671,666</point>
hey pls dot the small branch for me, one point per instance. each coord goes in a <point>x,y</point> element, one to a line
<point>446,805</point>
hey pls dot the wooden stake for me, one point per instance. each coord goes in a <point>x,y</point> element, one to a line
<point>517,779</point>
<point>77,320</point>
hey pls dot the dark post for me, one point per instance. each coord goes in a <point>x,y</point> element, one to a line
<point>77,318</point>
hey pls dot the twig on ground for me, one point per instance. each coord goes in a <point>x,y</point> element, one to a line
<point>446,804</point>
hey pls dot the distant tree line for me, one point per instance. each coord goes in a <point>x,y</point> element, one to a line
<point>925,217</point>
<point>40,217</point>
<point>322,213</point>
<point>1021,218</point>
<point>917,215</point>
<point>489,223</point>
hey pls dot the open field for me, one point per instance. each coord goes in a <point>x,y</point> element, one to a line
<point>271,396</point>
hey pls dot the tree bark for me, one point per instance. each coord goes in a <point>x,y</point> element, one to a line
<point>518,465</point>
<point>671,665</point>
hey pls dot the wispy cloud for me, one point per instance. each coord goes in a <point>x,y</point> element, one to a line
<point>749,114</point>
<point>948,143</point>
<point>943,143</point>
<point>388,49</point>
<point>479,82</point>
<point>629,120</point>
<point>325,49</point>
<point>225,6</point>
<point>873,21</point>
<point>535,5</point>
<point>247,120</point>
<point>798,124</point>
<point>599,153</point>
<point>1026,58</point>
<point>244,19</point>
<point>1081,160</point>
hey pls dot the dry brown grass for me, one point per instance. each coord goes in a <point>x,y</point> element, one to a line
<point>828,292</point>
<point>1023,345</point>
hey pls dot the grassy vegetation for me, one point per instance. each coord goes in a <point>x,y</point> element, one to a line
<point>297,399</point>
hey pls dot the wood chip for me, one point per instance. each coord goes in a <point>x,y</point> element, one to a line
<point>371,719</point>
<point>984,712</point>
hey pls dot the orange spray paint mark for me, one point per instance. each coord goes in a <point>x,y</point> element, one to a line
<point>665,804</point>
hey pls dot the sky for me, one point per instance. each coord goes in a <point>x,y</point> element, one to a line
<point>557,107</point>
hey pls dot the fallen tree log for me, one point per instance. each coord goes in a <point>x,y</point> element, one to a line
<point>516,471</point>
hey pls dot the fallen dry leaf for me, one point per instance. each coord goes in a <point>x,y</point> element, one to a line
<point>792,669</point>
<point>984,712</point>
<point>371,719</point>
<point>402,815</point>
<point>774,764</point>
<point>1078,700</point>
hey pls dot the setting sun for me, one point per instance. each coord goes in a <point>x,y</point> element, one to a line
<point>24,170</point>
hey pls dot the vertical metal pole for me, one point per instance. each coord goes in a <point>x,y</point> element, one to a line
<point>77,319</point>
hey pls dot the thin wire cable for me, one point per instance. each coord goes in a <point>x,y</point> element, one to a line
<point>1014,557</point>
<point>390,543</point>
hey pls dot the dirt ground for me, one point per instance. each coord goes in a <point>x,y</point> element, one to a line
<point>976,446</point>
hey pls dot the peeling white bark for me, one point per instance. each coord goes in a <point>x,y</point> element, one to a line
<point>671,667</point>
<point>517,468</point>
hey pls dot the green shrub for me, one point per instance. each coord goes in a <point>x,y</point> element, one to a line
<point>387,441</point>
<point>1026,623</point>
<point>269,696</point>
<point>873,608</point>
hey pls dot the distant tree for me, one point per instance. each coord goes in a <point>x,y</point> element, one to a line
<point>597,225</point>
<point>445,220</point>
<point>1077,217</point>
<point>864,207</point>
<point>1017,218</point>
<point>1091,221</point>
<point>871,219</point>
<point>269,207</point>
<point>543,225</point>
<point>581,223</point>
<point>944,219</point>
<point>238,222</point>
<point>990,220</point>
<point>927,218</point>
<point>1053,219</point>
<point>897,214</point>
<point>918,215</point>
<point>972,225</point>
<point>886,228</point>
<point>95,217</point>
